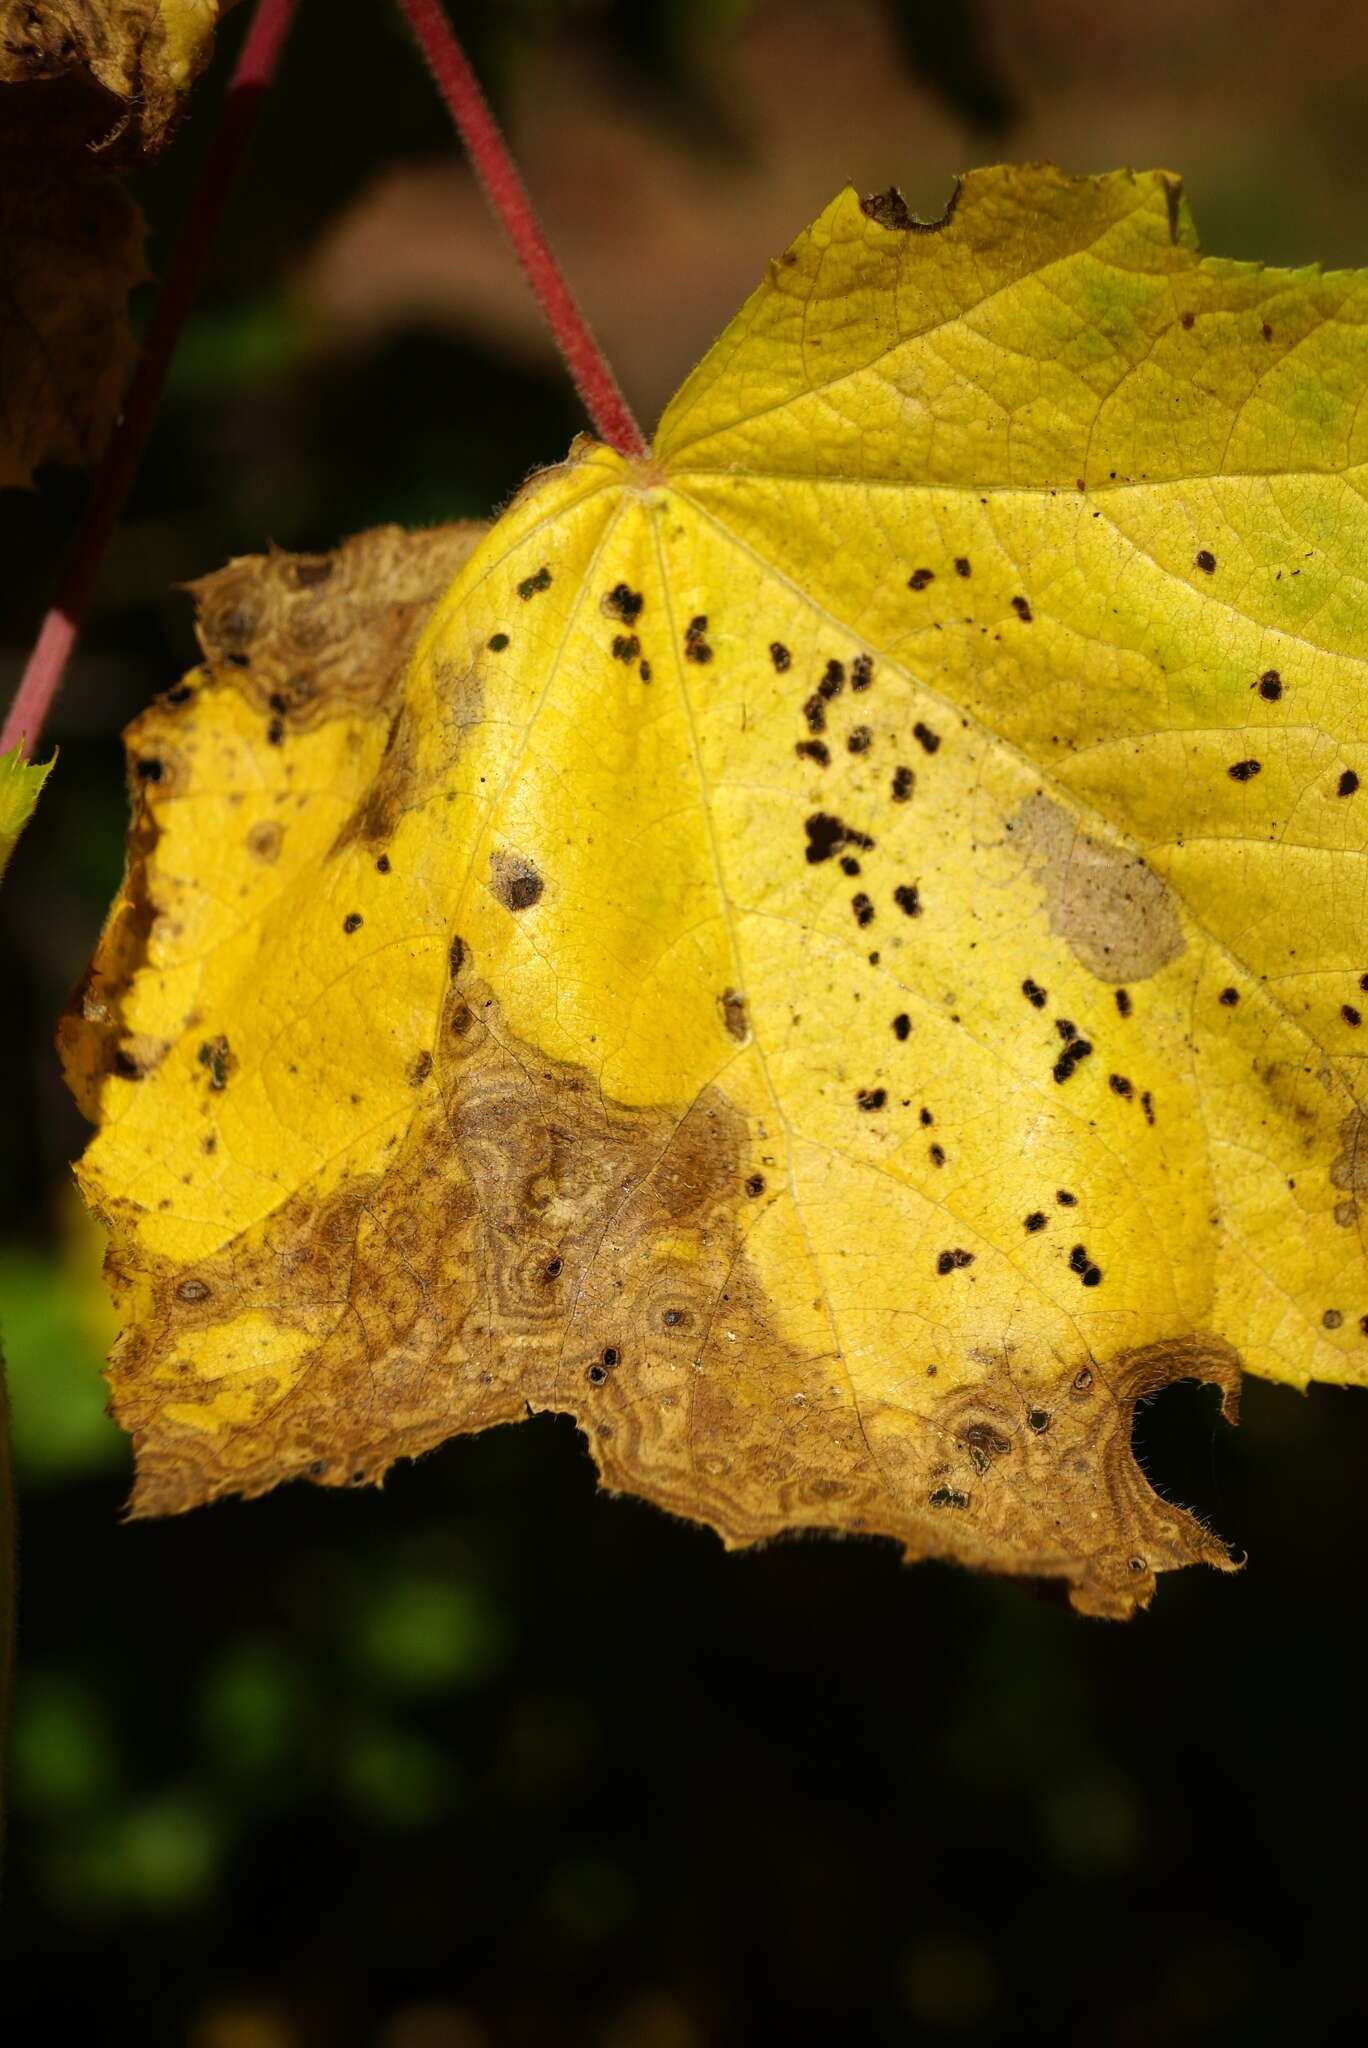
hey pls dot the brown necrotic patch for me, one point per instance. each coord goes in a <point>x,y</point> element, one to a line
<point>514,880</point>
<point>532,1245</point>
<point>1115,914</point>
<point>307,637</point>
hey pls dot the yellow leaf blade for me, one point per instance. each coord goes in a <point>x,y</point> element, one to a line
<point>836,962</point>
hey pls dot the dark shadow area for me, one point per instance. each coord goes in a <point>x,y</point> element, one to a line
<point>1181,1445</point>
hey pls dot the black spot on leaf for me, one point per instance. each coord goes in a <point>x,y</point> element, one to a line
<point>622,602</point>
<point>825,833</point>
<point>696,646</point>
<point>217,1056</point>
<point>1076,1050</point>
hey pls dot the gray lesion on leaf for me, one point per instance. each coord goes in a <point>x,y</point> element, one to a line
<point>1115,914</point>
<point>1350,1170</point>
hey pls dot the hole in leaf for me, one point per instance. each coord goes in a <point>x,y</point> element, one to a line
<point>1174,1437</point>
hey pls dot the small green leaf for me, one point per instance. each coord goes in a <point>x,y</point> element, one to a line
<point>20,782</point>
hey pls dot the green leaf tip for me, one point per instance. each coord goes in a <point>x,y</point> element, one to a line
<point>20,783</point>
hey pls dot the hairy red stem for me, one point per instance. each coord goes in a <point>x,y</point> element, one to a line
<point>242,104</point>
<point>507,195</point>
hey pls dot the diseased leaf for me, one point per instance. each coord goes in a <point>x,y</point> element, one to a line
<point>838,964</point>
<point>120,68</point>
<point>72,243</point>
<point>83,84</point>
<point>21,783</point>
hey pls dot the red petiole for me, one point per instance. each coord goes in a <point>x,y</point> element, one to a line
<point>507,195</point>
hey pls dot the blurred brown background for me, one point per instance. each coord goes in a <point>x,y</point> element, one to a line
<point>487,1759</point>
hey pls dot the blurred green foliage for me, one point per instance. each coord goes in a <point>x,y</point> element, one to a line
<point>54,1353</point>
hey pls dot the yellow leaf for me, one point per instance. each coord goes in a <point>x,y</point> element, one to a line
<point>839,962</point>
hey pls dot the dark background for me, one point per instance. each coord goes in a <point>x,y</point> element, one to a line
<point>489,1759</point>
